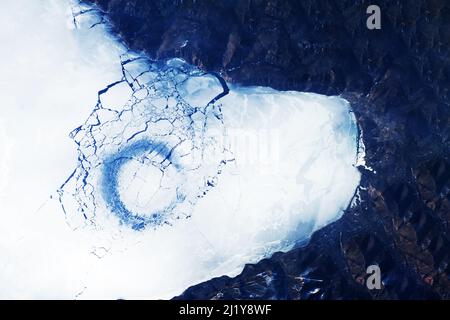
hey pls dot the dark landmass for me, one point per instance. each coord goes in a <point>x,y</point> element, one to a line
<point>398,82</point>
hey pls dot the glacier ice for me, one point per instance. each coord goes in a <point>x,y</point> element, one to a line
<point>177,176</point>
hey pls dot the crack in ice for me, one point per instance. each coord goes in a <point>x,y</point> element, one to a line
<point>155,104</point>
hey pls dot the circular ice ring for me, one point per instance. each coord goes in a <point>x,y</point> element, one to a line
<point>112,166</point>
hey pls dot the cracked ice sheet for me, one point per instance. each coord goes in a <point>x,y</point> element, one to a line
<point>288,166</point>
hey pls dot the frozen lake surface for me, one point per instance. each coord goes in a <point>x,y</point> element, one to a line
<point>123,177</point>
